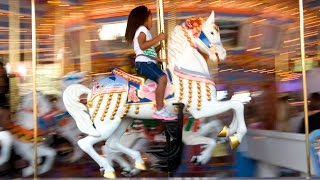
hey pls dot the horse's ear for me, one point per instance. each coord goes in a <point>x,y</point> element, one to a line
<point>210,19</point>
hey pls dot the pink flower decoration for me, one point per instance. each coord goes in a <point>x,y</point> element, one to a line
<point>195,25</point>
<point>133,95</point>
<point>188,24</point>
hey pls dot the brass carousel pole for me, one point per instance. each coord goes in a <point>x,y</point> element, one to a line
<point>161,29</point>
<point>34,74</point>
<point>305,96</point>
<point>14,51</point>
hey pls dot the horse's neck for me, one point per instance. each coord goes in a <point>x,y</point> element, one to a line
<point>183,56</point>
<point>24,119</point>
<point>44,106</point>
<point>192,60</point>
<point>60,104</point>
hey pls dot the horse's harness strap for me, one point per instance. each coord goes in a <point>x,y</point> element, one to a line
<point>206,42</point>
<point>218,57</point>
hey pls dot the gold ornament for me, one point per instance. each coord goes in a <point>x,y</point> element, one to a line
<point>181,90</point>
<point>109,175</point>
<point>208,92</point>
<point>189,95</point>
<point>127,107</point>
<point>117,106</point>
<point>234,142</point>
<point>137,109</point>
<point>89,104</point>
<point>106,107</point>
<point>97,108</point>
<point>140,166</point>
<point>223,132</point>
<point>199,96</point>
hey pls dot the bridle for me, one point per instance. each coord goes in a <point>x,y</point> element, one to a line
<point>211,46</point>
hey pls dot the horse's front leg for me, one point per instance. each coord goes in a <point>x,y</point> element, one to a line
<point>238,128</point>
<point>218,107</point>
<point>6,144</point>
<point>227,131</point>
<point>24,149</point>
<point>209,127</point>
<point>49,154</point>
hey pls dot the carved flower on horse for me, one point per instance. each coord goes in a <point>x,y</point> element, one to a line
<point>133,94</point>
<point>194,24</point>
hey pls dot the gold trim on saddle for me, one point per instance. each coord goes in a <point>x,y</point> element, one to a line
<point>128,77</point>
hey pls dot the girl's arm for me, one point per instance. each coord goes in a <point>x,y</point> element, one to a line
<point>158,48</point>
<point>144,44</point>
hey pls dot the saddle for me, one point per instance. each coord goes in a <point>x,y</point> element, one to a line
<point>24,134</point>
<point>140,90</point>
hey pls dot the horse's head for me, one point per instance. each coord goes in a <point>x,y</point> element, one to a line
<point>43,103</point>
<point>194,42</point>
<point>208,40</point>
<point>73,78</point>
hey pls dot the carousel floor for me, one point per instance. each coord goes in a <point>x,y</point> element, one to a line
<point>86,168</point>
<point>218,168</point>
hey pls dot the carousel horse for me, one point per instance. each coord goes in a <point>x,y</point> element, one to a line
<point>67,126</point>
<point>22,131</point>
<point>6,140</point>
<point>193,129</point>
<point>117,99</point>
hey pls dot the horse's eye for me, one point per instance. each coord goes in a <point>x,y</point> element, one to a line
<point>212,33</point>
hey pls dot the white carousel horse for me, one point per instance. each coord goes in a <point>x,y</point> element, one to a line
<point>194,130</point>
<point>67,126</point>
<point>112,103</point>
<point>22,130</point>
<point>6,140</point>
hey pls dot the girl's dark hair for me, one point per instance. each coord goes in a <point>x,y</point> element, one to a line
<point>137,17</point>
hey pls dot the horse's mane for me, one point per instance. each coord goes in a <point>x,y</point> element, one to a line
<point>177,43</point>
<point>181,38</point>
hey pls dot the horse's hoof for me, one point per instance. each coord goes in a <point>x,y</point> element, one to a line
<point>130,173</point>
<point>194,159</point>
<point>126,173</point>
<point>223,132</point>
<point>234,142</point>
<point>101,171</point>
<point>140,166</point>
<point>110,175</point>
<point>134,172</point>
<point>28,171</point>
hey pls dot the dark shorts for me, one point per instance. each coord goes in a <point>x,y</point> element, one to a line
<point>150,70</point>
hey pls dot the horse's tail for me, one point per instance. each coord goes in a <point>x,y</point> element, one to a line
<point>71,99</point>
